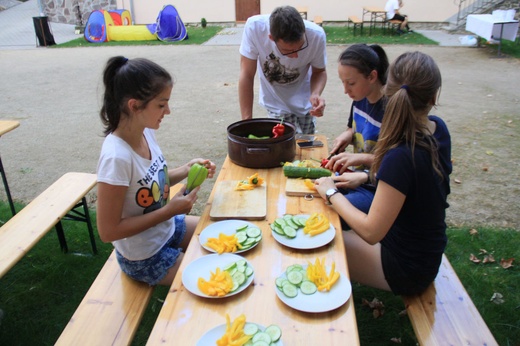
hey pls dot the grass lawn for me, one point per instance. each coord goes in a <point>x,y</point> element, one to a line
<point>40,293</point>
<point>335,35</point>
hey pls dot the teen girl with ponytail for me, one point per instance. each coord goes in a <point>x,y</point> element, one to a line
<point>398,244</point>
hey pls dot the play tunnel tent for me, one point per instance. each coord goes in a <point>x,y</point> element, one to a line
<point>169,26</point>
<point>104,26</point>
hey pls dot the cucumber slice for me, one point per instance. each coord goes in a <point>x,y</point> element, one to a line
<point>295,277</point>
<point>241,269</point>
<point>280,222</point>
<point>230,266</point>
<point>249,242</point>
<point>253,232</point>
<point>289,232</point>
<point>277,229</point>
<point>300,220</point>
<point>261,336</point>
<point>287,217</point>
<point>257,239</point>
<point>235,286</point>
<point>260,343</point>
<point>308,287</point>
<point>292,224</point>
<point>232,271</point>
<point>279,281</point>
<point>294,267</point>
<point>239,278</point>
<point>241,263</point>
<point>241,237</point>
<point>249,271</point>
<point>289,290</point>
<point>242,228</point>
<point>274,332</point>
<point>250,329</point>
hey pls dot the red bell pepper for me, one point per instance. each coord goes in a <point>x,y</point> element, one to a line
<point>278,129</point>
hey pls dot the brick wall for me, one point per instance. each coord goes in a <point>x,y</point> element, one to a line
<point>74,11</point>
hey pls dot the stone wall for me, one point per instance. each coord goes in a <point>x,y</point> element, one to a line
<point>74,11</point>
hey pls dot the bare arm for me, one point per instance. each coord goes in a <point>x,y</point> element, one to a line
<point>112,226</point>
<point>342,141</point>
<point>371,227</point>
<point>246,82</point>
<point>318,82</point>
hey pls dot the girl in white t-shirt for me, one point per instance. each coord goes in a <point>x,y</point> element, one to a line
<point>134,210</point>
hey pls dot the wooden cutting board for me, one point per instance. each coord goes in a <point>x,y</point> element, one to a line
<point>242,205</point>
<point>296,187</point>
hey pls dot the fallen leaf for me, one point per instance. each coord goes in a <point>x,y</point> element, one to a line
<point>396,340</point>
<point>474,258</point>
<point>377,306</point>
<point>489,152</point>
<point>485,169</point>
<point>457,181</point>
<point>497,298</point>
<point>510,121</point>
<point>506,263</point>
<point>403,313</point>
<point>473,232</point>
<point>489,259</point>
<point>482,251</point>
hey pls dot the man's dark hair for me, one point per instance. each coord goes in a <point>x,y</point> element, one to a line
<point>286,24</point>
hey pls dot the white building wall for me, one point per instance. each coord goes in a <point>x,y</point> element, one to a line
<point>223,11</point>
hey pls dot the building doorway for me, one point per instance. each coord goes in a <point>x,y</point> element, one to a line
<point>245,9</point>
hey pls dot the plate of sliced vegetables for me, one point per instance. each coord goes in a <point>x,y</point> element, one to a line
<point>295,289</point>
<point>218,276</point>
<point>288,231</point>
<point>233,236</point>
<point>256,333</point>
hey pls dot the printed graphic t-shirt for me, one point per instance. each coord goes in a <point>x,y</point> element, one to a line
<point>148,190</point>
<point>284,81</point>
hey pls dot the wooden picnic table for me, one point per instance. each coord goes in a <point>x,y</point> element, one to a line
<point>7,126</point>
<point>376,14</point>
<point>185,317</point>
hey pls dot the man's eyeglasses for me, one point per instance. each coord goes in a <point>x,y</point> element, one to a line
<point>305,45</point>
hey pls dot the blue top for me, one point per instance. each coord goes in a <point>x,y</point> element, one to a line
<point>418,236</point>
<point>365,120</point>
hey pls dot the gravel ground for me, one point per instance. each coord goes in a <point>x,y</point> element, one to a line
<point>55,94</point>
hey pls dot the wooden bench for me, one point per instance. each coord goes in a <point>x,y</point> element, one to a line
<point>445,314</point>
<point>61,201</point>
<point>112,309</point>
<point>393,25</point>
<point>110,312</point>
<point>356,22</point>
<point>318,20</point>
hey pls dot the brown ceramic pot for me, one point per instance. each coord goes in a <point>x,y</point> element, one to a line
<point>260,153</point>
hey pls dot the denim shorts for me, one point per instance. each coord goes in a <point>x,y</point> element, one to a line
<point>152,270</point>
<point>360,197</point>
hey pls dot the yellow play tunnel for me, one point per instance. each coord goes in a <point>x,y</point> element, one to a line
<point>130,33</point>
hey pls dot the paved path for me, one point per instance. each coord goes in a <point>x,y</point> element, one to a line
<point>17,29</point>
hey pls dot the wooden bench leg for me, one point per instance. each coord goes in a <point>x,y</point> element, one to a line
<point>76,215</point>
<point>6,186</point>
<point>61,237</point>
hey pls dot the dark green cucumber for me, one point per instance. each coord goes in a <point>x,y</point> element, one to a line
<point>305,172</point>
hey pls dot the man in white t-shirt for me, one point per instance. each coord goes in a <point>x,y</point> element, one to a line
<point>290,54</point>
<point>392,8</point>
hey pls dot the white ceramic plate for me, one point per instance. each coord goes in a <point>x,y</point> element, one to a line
<point>319,301</point>
<point>211,336</point>
<point>228,227</point>
<point>305,241</point>
<point>202,268</point>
